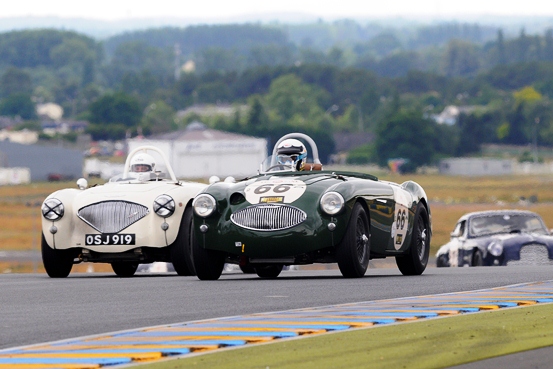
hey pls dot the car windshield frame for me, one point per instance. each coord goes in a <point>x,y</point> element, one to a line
<point>487,225</point>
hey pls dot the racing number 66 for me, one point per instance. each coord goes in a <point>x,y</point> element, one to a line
<point>401,217</point>
<point>280,188</point>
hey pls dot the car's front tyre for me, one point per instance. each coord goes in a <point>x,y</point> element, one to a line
<point>208,264</point>
<point>57,263</point>
<point>124,269</point>
<point>416,259</point>
<point>181,249</point>
<point>353,252</point>
<point>477,258</point>
<point>442,261</point>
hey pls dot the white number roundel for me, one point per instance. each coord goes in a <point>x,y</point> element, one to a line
<point>401,217</point>
<point>276,190</point>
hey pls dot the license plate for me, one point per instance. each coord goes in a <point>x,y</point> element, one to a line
<point>109,239</point>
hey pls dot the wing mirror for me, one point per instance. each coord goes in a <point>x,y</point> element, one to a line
<point>82,184</point>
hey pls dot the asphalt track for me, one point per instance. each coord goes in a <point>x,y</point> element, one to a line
<point>37,309</point>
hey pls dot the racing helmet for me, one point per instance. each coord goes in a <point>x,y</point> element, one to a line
<point>292,151</point>
<point>142,163</point>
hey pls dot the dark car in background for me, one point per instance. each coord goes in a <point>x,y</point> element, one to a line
<point>498,237</point>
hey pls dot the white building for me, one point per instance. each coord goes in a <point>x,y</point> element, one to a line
<point>199,152</point>
<point>24,136</point>
<point>476,166</point>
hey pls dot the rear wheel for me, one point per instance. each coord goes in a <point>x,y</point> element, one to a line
<point>58,263</point>
<point>477,258</point>
<point>181,249</point>
<point>208,264</point>
<point>124,269</point>
<point>414,262</point>
<point>353,252</point>
<point>269,271</point>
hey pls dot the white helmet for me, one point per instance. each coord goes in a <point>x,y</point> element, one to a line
<point>292,151</point>
<point>142,163</point>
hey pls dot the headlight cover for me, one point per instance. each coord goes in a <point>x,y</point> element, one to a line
<point>52,209</point>
<point>204,205</point>
<point>332,203</point>
<point>495,248</point>
<point>164,206</point>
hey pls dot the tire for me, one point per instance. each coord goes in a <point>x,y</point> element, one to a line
<point>208,264</point>
<point>441,261</point>
<point>269,271</point>
<point>352,254</point>
<point>57,263</point>
<point>247,269</point>
<point>416,259</point>
<point>477,258</point>
<point>181,249</point>
<point>124,269</point>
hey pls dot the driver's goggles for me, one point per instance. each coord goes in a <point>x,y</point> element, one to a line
<point>287,159</point>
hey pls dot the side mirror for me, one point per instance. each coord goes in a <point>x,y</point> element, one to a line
<point>214,179</point>
<point>82,184</point>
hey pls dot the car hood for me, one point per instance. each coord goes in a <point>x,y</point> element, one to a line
<point>517,239</point>
<point>143,193</point>
<point>285,189</point>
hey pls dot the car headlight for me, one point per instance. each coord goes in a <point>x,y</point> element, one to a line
<point>332,203</point>
<point>164,206</point>
<point>52,209</point>
<point>204,205</point>
<point>495,248</point>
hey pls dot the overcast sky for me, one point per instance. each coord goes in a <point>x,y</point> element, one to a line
<point>213,9</point>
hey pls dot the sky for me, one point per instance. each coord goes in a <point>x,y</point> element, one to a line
<point>220,9</point>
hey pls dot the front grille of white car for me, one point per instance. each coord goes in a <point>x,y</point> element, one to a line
<point>112,216</point>
<point>532,255</point>
<point>268,217</point>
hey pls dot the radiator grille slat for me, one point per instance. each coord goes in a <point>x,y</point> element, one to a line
<point>112,216</point>
<point>532,254</point>
<point>268,217</point>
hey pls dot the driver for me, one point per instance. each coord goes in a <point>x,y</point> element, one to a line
<point>142,164</point>
<point>292,152</point>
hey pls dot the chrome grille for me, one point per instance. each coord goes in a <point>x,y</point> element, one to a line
<point>532,255</point>
<point>112,216</point>
<point>268,217</point>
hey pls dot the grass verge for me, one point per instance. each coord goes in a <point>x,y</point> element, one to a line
<point>430,343</point>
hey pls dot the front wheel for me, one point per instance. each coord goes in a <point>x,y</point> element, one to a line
<point>208,264</point>
<point>58,263</point>
<point>353,252</point>
<point>477,258</point>
<point>124,270</point>
<point>414,262</point>
<point>181,250</point>
<point>270,271</point>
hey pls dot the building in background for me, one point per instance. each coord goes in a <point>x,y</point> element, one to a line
<point>200,152</point>
<point>44,162</point>
<point>476,166</point>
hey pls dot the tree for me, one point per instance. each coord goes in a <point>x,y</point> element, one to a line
<point>15,81</point>
<point>113,115</point>
<point>406,135</point>
<point>257,117</point>
<point>290,99</point>
<point>159,118</point>
<point>18,104</point>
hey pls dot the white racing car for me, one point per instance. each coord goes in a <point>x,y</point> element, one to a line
<point>141,216</point>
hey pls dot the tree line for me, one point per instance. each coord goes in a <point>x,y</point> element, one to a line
<point>383,84</point>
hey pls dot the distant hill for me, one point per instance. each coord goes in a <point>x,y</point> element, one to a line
<point>100,29</point>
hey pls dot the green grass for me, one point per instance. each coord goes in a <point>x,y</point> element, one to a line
<point>430,343</point>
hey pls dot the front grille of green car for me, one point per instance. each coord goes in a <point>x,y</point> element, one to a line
<point>268,217</point>
<point>112,216</point>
